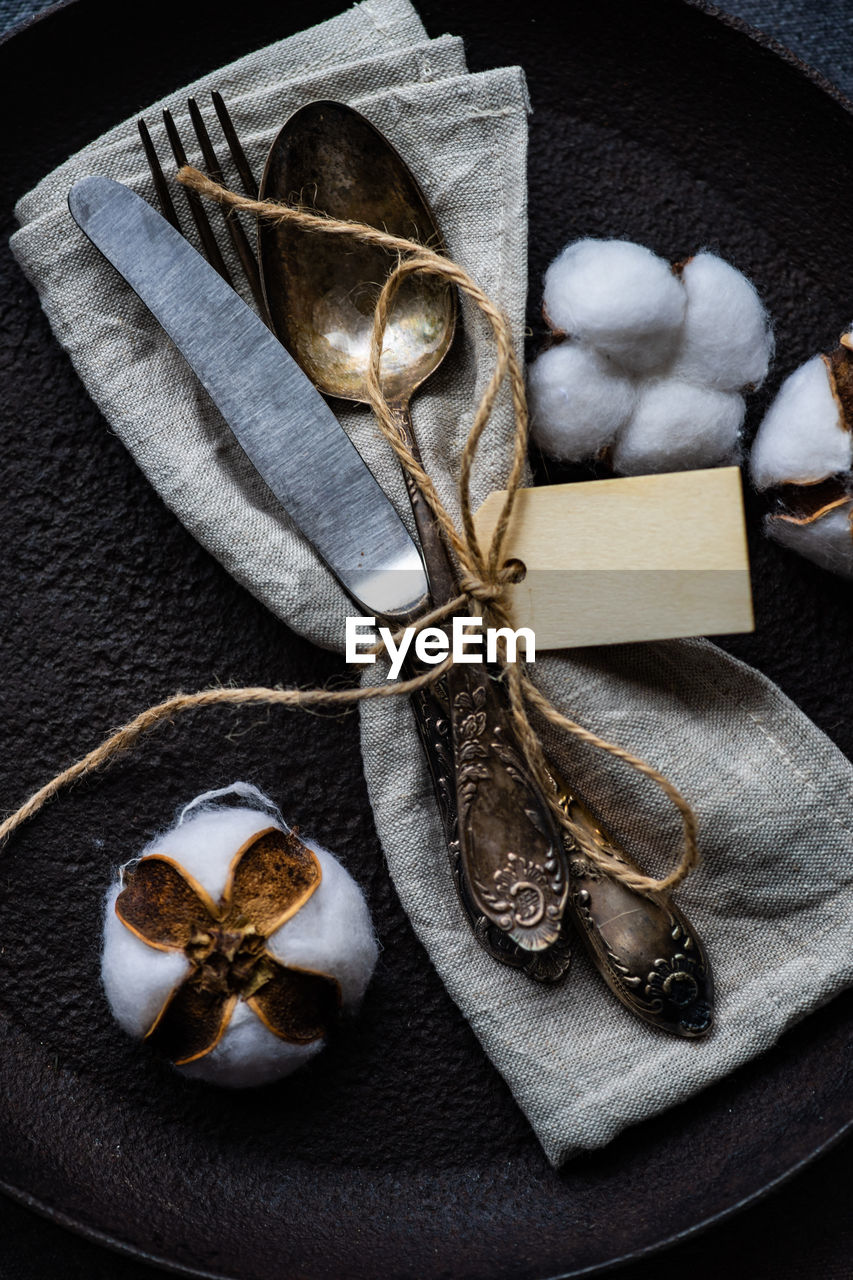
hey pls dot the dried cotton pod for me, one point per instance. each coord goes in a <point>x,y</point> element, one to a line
<point>804,453</point>
<point>231,944</point>
<point>650,358</point>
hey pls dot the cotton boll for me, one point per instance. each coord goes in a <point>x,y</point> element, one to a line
<point>805,439</point>
<point>578,401</point>
<point>827,542</point>
<point>655,363</point>
<point>802,439</point>
<point>676,426</point>
<point>726,340</point>
<point>329,934</point>
<point>620,298</point>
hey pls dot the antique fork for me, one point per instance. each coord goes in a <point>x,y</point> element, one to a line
<point>643,946</point>
<point>195,205</point>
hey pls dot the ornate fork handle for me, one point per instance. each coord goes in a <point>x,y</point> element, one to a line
<point>432,717</point>
<point>511,863</point>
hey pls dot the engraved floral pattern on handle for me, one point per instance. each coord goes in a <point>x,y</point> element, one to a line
<point>642,945</point>
<point>432,717</point>
<point>510,847</point>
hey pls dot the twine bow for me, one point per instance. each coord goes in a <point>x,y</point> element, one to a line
<point>483,573</point>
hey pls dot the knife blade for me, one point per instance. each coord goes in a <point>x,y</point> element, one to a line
<point>280,420</point>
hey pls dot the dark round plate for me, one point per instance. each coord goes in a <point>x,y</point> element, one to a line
<point>400,1153</point>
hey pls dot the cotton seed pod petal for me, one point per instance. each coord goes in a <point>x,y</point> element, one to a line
<point>162,905</point>
<point>191,1023</point>
<point>726,339</point>
<point>676,426</point>
<point>296,1005</point>
<point>273,876</point>
<point>578,401</point>
<point>826,540</point>
<point>803,438</point>
<point>618,297</point>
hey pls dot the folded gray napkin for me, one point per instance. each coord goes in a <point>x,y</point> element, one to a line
<point>774,895</point>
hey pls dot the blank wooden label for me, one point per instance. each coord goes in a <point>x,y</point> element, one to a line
<point>640,558</point>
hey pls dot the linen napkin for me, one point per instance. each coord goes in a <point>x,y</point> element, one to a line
<point>774,895</point>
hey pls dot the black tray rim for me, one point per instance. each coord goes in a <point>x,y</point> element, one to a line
<point>134,1252</point>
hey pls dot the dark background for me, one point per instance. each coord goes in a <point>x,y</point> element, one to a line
<point>805,1227</point>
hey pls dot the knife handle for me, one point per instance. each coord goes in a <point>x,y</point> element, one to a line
<point>511,861</point>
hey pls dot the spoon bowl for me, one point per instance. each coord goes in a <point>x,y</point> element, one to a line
<point>321,291</point>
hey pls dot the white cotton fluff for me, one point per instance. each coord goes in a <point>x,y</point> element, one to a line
<point>578,401</point>
<point>802,439</point>
<point>726,339</point>
<point>654,364</point>
<point>618,297</point>
<point>332,934</point>
<point>827,542</point>
<point>676,426</point>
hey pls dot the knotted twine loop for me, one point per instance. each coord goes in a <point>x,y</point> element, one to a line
<point>483,576</point>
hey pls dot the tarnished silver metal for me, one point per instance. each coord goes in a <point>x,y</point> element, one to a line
<point>432,717</point>
<point>279,418</point>
<point>423,337</point>
<point>321,294</point>
<point>643,946</point>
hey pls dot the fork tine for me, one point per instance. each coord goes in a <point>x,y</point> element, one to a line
<point>239,239</point>
<point>214,169</point>
<point>160,184</point>
<point>238,155</point>
<point>202,222</point>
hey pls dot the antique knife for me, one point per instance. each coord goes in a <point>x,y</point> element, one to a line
<point>281,421</point>
<point>297,445</point>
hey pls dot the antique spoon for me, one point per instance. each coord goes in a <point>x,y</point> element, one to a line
<point>321,297</point>
<point>321,294</point>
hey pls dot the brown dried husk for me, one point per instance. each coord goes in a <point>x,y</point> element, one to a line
<point>270,878</point>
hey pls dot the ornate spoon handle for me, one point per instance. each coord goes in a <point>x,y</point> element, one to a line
<point>643,946</point>
<point>511,859</point>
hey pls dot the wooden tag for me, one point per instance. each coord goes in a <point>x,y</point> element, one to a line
<point>639,558</point>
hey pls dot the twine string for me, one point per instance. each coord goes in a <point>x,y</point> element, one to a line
<point>483,575</point>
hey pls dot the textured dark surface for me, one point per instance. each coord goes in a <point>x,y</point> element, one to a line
<point>401,1152</point>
